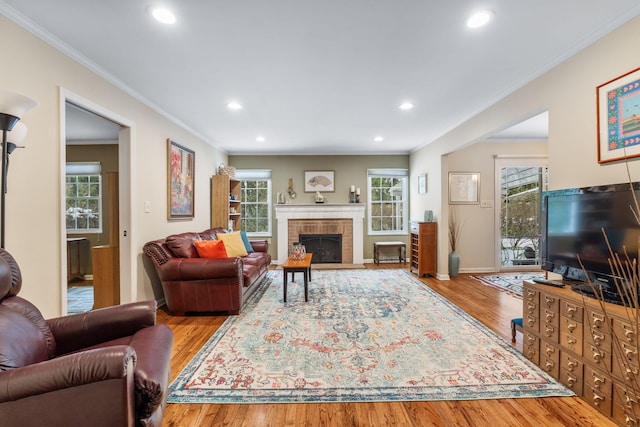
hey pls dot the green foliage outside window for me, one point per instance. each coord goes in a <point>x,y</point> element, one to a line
<point>255,206</point>
<point>83,207</point>
<point>387,204</point>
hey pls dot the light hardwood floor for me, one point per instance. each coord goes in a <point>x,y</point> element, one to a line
<point>493,308</point>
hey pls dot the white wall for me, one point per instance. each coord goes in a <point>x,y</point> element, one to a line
<point>568,93</point>
<point>34,212</point>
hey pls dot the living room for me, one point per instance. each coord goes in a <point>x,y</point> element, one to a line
<point>52,77</point>
<point>566,91</point>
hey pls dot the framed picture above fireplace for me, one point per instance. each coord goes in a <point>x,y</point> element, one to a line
<point>323,181</point>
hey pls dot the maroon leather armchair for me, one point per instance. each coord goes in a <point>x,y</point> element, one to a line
<point>107,367</point>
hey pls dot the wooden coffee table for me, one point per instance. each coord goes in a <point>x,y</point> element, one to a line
<point>297,266</point>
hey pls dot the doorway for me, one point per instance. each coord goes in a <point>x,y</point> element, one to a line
<point>104,138</point>
<point>520,183</point>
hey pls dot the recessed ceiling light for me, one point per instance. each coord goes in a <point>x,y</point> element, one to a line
<point>164,15</point>
<point>233,105</point>
<point>480,19</point>
<point>378,139</point>
<point>406,106</point>
<point>260,138</point>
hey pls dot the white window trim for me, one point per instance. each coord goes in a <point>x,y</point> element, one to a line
<point>87,168</point>
<point>386,173</point>
<point>260,174</point>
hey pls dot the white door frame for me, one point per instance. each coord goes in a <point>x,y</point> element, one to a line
<point>126,178</point>
<point>501,161</point>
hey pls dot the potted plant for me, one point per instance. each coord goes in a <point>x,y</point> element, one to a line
<point>455,229</point>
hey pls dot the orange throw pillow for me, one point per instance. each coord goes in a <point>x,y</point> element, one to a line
<point>210,248</point>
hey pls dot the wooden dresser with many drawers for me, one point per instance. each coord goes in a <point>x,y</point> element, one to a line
<point>569,337</point>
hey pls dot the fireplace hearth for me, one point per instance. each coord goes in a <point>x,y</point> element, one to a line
<point>326,248</point>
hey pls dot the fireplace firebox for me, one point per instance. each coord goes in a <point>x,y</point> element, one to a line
<point>326,248</point>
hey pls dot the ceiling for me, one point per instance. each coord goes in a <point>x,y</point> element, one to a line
<point>322,77</point>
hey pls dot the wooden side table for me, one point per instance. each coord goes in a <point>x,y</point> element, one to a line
<point>297,266</point>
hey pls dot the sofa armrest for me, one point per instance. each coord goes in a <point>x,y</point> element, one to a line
<point>260,245</point>
<point>83,330</point>
<point>186,269</point>
<point>68,371</point>
<point>155,250</point>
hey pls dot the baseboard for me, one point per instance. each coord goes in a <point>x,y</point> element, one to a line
<point>442,276</point>
<point>478,270</point>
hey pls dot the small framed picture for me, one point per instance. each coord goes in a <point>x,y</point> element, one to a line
<point>464,188</point>
<point>422,184</point>
<point>323,181</point>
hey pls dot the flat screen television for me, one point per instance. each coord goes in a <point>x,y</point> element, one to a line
<point>572,226</point>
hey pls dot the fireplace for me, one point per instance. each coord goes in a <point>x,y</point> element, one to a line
<point>343,219</point>
<point>326,248</point>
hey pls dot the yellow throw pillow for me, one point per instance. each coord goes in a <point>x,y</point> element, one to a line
<point>233,243</point>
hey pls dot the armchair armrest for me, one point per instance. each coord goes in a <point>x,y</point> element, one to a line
<point>83,330</point>
<point>72,370</point>
<point>186,269</point>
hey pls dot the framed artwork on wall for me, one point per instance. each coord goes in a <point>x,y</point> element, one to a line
<point>422,184</point>
<point>618,104</point>
<point>464,188</point>
<point>180,177</point>
<point>323,181</point>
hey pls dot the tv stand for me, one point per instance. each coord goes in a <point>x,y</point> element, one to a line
<point>570,337</point>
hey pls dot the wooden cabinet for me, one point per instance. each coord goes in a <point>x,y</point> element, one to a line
<point>424,241</point>
<point>576,339</point>
<point>225,202</point>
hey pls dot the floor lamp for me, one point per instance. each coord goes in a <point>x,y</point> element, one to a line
<point>12,107</point>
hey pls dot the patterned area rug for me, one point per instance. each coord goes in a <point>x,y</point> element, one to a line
<point>364,335</point>
<point>508,282</point>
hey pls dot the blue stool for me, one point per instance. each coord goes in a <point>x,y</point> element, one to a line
<point>516,325</point>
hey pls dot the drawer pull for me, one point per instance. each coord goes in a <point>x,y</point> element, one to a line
<point>571,381</point>
<point>530,294</point>
<point>597,356</point>
<point>548,366</point>
<point>571,311</point>
<point>549,301</point>
<point>550,351</point>
<point>548,331</point>
<point>531,307</point>
<point>597,381</point>
<point>597,321</point>
<point>630,374</point>
<point>629,353</point>
<point>572,327</point>
<point>597,399</point>
<point>571,341</point>
<point>629,401</point>
<point>572,365</point>
<point>549,316</point>
<point>628,334</point>
<point>597,339</point>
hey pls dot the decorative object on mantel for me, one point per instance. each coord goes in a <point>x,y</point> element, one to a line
<point>297,251</point>
<point>12,107</point>
<point>455,228</point>
<point>280,198</point>
<point>354,194</point>
<point>290,190</point>
<point>226,170</point>
<point>319,197</point>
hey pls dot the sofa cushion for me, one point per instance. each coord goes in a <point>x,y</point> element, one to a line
<point>181,245</point>
<point>245,240</point>
<point>211,248</point>
<point>233,243</point>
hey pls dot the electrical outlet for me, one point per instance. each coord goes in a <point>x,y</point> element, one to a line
<point>147,206</point>
<point>486,203</point>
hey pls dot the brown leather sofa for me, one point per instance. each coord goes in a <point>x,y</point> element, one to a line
<point>205,285</point>
<point>107,367</point>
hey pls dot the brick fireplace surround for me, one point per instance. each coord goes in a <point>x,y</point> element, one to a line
<point>344,219</point>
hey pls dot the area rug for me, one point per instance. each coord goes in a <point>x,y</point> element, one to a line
<point>508,282</point>
<point>364,335</point>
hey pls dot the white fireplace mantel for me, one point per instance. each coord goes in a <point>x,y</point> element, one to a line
<point>353,211</point>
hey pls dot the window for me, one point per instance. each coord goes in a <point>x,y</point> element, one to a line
<point>388,204</point>
<point>255,208</point>
<point>83,198</point>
